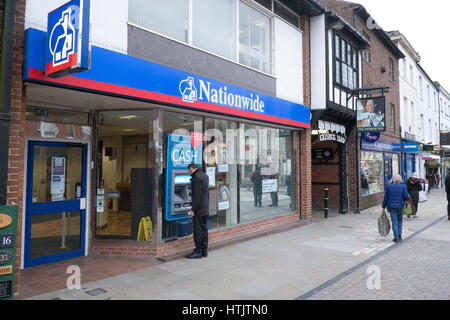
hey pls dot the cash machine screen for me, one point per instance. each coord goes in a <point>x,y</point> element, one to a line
<point>183,179</point>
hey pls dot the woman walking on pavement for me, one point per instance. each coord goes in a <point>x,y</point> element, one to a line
<point>395,196</point>
<point>414,187</point>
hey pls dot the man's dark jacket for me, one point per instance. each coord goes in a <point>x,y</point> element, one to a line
<point>447,183</point>
<point>200,193</point>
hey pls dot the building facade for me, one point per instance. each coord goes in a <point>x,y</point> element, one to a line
<point>379,158</point>
<point>429,128</point>
<point>409,106</point>
<point>336,65</point>
<point>444,107</point>
<point>117,99</point>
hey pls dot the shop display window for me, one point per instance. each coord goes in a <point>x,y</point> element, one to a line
<point>125,160</point>
<point>267,173</point>
<point>372,174</point>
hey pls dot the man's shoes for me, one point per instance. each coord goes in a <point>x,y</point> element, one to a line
<point>204,253</point>
<point>400,239</point>
<point>195,255</point>
<point>395,240</point>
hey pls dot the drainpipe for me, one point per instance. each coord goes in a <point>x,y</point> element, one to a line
<point>5,92</point>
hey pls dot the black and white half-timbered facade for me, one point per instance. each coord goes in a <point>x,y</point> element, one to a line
<point>336,59</point>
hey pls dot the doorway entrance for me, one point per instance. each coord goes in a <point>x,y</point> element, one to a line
<point>55,202</point>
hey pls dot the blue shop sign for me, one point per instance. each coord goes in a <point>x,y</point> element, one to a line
<point>380,145</point>
<point>67,41</point>
<point>126,76</point>
<point>410,147</point>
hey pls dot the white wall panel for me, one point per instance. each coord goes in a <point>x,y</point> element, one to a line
<point>288,61</point>
<point>318,62</point>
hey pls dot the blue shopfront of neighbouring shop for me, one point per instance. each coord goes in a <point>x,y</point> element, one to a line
<point>380,161</point>
<point>410,150</point>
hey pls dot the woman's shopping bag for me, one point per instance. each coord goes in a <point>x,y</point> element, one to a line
<point>384,225</point>
<point>408,209</point>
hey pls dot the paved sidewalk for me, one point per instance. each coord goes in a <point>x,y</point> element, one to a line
<point>280,266</point>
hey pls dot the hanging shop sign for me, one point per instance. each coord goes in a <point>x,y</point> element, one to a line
<point>67,41</point>
<point>119,74</point>
<point>370,137</point>
<point>370,114</point>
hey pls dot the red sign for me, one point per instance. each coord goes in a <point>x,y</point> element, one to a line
<point>196,139</point>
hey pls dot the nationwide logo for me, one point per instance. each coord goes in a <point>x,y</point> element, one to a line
<point>62,38</point>
<point>207,92</point>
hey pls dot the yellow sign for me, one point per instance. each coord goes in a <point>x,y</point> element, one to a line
<point>5,220</point>
<point>6,270</point>
<point>145,229</point>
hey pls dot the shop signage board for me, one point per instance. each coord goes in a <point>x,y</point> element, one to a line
<point>67,41</point>
<point>381,146</point>
<point>410,147</point>
<point>332,137</point>
<point>370,114</point>
<point>119,74</point>
<point>8,234</point>
<point>269,185</point>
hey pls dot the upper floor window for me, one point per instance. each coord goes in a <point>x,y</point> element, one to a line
<point>428,95</point>
<point>227,28</point>
<point>420,87</point>
<point>391,69</point>
<point>254,38</point>
<point>411,74</point>
<point>392,117</point>
<point>366,55</point>
<point>346,63</point>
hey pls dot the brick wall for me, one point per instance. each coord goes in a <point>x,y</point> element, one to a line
<point>217,238</point>
<point>17,127</point>
<point>305,170</point>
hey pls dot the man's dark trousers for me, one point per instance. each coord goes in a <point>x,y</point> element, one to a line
<point>448,205</point>
<point>200,232</point>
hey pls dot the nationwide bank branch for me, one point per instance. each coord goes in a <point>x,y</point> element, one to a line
<point>109,133</point>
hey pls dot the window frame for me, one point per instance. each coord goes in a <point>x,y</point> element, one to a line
<point>391,69</point>
<point>337,58</point>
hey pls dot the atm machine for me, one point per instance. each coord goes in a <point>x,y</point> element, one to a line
<point>181,151</point>
<point>181,192</point>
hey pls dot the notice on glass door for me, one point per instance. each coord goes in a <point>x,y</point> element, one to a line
<point>58,183</point>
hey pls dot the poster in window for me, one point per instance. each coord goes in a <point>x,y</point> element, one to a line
<point>269,185</point>
<point>371,114</point>
<point>58,181</point>
<point>224,198</point>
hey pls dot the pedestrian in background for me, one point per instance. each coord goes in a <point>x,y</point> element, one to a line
<point>414,187</point>
<point>447,190</point>
<point>395,195</point>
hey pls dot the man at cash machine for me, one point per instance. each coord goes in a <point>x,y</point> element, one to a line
<point>199,211</point>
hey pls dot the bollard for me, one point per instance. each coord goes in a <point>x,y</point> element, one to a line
<point>325,202</point>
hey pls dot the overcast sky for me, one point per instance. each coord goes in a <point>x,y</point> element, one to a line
<point>426,25</point>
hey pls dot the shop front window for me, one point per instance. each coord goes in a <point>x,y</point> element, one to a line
<point>267,173</point>
<point>124,170</point>
<point>220,158</point>
<point>372,174</point>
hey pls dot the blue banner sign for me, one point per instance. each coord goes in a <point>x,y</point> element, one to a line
<point>370,137</point>
<point>68,39</point>
<point>127,76</point>
<point>410,147</point>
